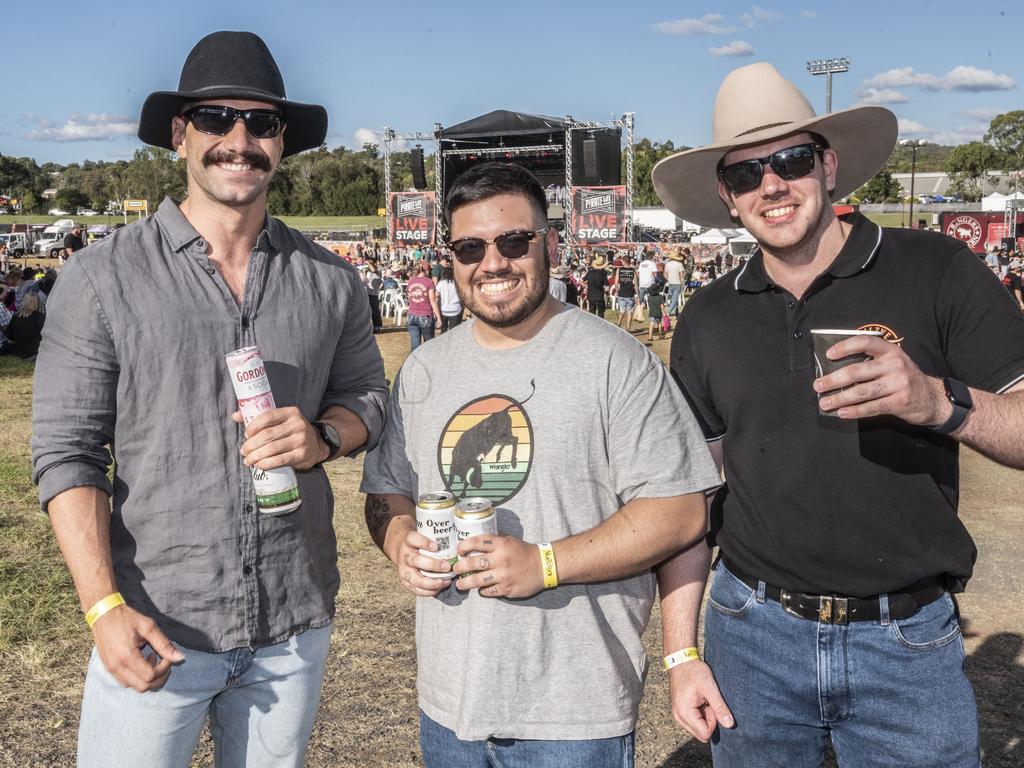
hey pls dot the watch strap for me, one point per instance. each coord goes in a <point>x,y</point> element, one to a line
<point>959,397</point>
<point>335,449</point>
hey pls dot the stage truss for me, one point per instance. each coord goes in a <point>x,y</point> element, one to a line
<point>1013,207</point>
<point>571,124</point>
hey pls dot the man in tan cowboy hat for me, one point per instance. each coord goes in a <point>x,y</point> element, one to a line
<point>830,613</point>
<point>202,604</point>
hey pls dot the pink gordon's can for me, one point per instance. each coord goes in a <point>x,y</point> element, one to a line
<point>277,490</point>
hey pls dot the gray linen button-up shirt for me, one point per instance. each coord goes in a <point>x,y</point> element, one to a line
<point>132,366</point>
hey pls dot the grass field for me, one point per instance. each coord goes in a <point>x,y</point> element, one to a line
<point>368,712</point>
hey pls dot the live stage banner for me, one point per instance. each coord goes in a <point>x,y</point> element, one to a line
<point>413,217</point>
<point>599,214</point>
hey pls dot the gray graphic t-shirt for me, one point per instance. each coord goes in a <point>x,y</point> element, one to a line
<point>558,433</point>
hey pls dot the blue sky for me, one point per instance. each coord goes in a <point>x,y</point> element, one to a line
<point>77,73</point>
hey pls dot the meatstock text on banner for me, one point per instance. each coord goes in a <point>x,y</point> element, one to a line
<point>413,216</point>
<point>599,214</point>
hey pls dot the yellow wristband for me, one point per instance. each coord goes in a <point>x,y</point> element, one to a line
<point>108,603</point>
<point>680,657</point>
<point>547,565</point>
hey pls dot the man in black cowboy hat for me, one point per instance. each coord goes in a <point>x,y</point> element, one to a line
<point>830,612</point>
<point>201,604</point>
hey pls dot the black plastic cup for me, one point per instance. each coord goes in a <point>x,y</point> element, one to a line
<point>824,339</point>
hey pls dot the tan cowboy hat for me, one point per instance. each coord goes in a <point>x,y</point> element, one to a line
<point>676,254</point>
<point>598,262</point>
<point>756,105</point>
<point>559,272</point>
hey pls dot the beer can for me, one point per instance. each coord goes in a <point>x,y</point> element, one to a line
<point>277,490</point>
<point>475,517</point>
<point>435,520</point>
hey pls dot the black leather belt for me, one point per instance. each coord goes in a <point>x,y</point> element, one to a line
<point>836,609</point>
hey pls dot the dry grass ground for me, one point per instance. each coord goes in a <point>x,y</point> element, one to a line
<point>368,713</point>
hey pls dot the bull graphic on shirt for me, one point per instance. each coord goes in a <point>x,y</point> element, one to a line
<point>486,447</point>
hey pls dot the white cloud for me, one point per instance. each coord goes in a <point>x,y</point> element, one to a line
<point>960,78</point>
<point>78,127</point>
<point>871,96</point>
<point>909,127</point>
<point>965,78</point>
<point>758,14</point>
<point>985,114</point>
<point>709,24</point>
<point>735,48</point>
<point>809,14</point>
<point>369,136</point>
<point>962,135</point>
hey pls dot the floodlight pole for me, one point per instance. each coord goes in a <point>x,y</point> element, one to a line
<point>828,67</point>
<point>913,144</point>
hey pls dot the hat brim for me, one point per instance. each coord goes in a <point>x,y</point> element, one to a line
<point>862,137</point>
<point>306,124</point>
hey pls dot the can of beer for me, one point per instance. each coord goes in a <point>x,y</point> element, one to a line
<point>434,519</point>
<point>475,517</point>
<point>277,490</point>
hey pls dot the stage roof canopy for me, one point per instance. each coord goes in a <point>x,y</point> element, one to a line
<point>502,122</point>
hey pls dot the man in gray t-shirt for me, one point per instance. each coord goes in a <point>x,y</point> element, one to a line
<point>589,454</point>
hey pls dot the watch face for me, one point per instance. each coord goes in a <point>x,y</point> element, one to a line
<point>958,393</point>
<point>330,435</point>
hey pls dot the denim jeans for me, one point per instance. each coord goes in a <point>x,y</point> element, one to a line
<point>888,693</point>
<point>443,749</point>
<point>261,706</point>
<point>421,328</point>
<point>673,291</point>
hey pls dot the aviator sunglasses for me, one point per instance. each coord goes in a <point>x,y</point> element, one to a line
<point>218,121</point>
<point>511,245</point>
<point>789,163</point>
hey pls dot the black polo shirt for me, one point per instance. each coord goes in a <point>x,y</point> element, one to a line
<point>820,504</point>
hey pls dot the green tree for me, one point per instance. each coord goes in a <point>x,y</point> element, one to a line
<point>71,200</point>
<point>29,203</point>
<point>967,165</point>
<point>1006,135</point>
<point>882,188</point>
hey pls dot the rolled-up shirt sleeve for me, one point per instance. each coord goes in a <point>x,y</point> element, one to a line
<point>75,391</point>
<point>356,380</point>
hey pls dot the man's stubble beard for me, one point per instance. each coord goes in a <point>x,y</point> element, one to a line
<point>507,318</point>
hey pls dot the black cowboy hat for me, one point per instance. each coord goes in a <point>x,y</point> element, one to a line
<point>232,65</point>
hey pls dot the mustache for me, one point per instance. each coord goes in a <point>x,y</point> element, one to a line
<point>254,158</point>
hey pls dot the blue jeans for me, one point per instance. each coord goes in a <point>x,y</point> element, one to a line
<point>673,291</point>
<point>261,706</point>
<point>888,693</point>
<point>421,328</point>
<point>443,749</point>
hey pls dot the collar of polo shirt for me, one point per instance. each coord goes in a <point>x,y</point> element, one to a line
<point>855,256</point>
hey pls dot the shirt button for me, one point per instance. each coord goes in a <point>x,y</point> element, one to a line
<point>798,335</point>
<point>247,570</point>
<point>245,322</point>
<point>248,507</point>
<point>200,243</point>
<point>210,270</point>
<point>791,304</point>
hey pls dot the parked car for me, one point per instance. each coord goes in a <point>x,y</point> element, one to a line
<point>57,212</point>
<point>87,212</point>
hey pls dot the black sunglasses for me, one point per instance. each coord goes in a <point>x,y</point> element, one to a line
<point>789,163</point>
<point>218,121</point>
<point>511,245</point>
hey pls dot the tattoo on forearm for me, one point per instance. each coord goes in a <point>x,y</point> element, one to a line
<point>378,515</point>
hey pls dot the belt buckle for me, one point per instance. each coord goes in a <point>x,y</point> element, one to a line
<point>825,609</point>
<point>785,598</point>
<point>833,610</point>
